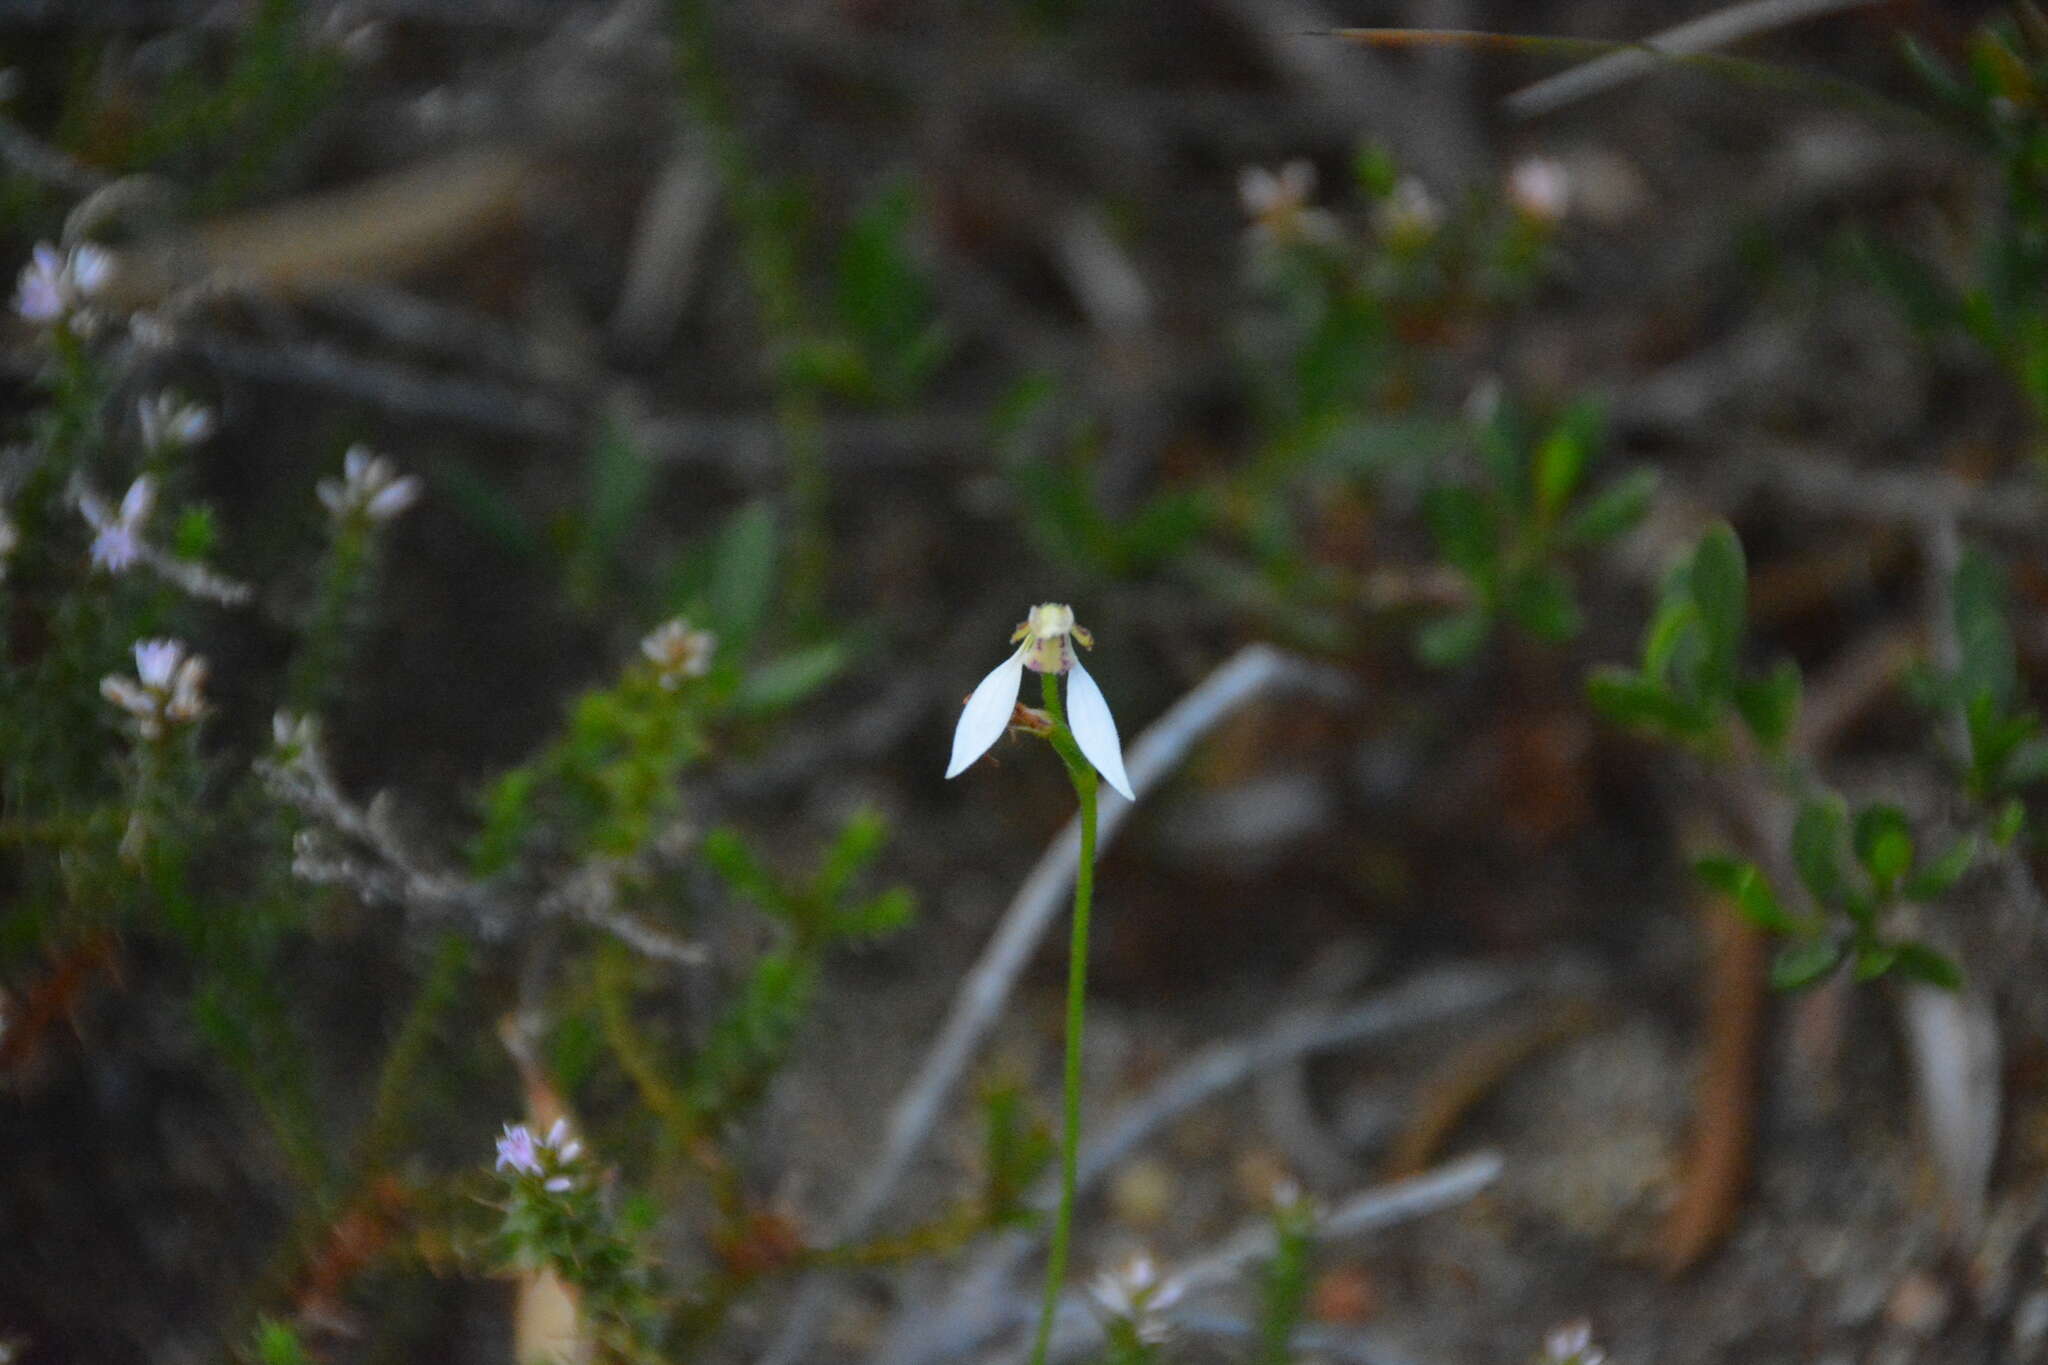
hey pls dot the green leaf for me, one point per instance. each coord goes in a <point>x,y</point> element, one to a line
<point>788,680</point>
<point>857,846</point>
<point>1630,699</point>
<point>1988,666</point>
<point>1675,616</point>
<point>877,918</point>
<point>1922,963</point>
<point>743,574</point>
<point>736,866</point>
<point>2027,763</point>
<point>1018,1147</point>
<point>1874,960</point>
<point>1560,463</point>
<point>196,535</point>
<point>1770,704</point>
<point>2010,820</point>
<point>1613,510</point>
<point>1817,835</point>
<point>1375,170</point>
<point>1745,885</point>
<point>1934,881</point>
<point>1467,531</point>
<point>613,501</point>
<point>1883,842</point>
<point>1164,527</point>
<point>1451,640</point>
<point>1719,583</point>
<point>1802,964</point>
<point>1541,602</point>
<point>487,508</point>
<point>277,1343</point>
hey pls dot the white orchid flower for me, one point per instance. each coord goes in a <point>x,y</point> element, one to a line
<point>1045,644</point>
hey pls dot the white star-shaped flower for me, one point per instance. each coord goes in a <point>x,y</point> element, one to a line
<point>1278,204</point>
<point>370,489</point>
<point>56,284</point>
<point>1045,644</point>
<point>165,691</point>
<point>117,536</point>
<point>1135,1293</point>
<point>169,422</point>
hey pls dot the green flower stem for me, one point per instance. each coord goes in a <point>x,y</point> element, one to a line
<point>1082,774</point>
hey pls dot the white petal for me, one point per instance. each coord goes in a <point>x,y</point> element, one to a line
<point>987,713</point>
<point>1088,716</point>
<point>139,500</point>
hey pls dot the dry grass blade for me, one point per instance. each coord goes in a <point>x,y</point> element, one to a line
<point>1729,25</point>
<point>1616,62</point>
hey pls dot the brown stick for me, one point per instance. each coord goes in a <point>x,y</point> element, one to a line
<point>1717,1167</point>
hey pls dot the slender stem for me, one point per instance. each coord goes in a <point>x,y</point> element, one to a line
<point>1083,776</point>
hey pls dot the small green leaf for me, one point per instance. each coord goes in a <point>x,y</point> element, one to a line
<point>877,918</point>
<point>857,846</point>
<point>1541,602</point>
<point>1613,510</point>
<point>1375,170</point>
<point>1560,463</point>
<point>1874,960</point>
<point>736,865</point>
<point>614,499</point>
<point>1719,584</point>
<point>197,535</point>
<point>1934,881</point>
<point>1988,667</point>
<point>743,573</point>
<point>1922,963</point>
<point>1467,531</point>
<point>1883,842</point>
<point>1817,834</point>
<point>1451,640</point>
<point>1630,699</point>
<point>1802,964</point>
<point>1742,883</point>
<point>788,680</point>
<point>2010,820</point>
<point>1676,615</point>
<point>1770,704</point>
<point>2027,763</point>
